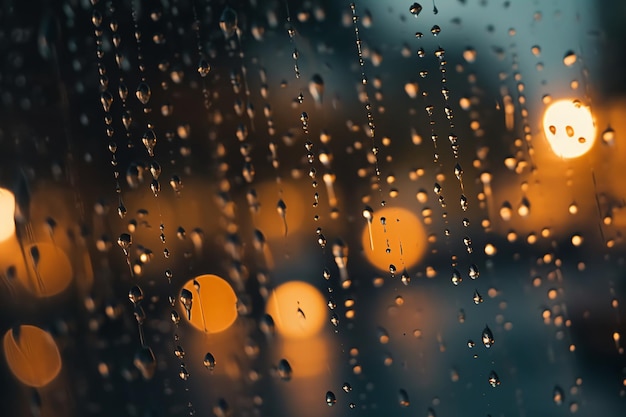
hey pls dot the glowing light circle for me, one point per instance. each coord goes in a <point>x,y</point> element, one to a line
<point>214,308</point>
<point>404,233</point>
<point>7,214</point>
<point>298,309</point>
<point>569,128</point>
<point>32,355</point>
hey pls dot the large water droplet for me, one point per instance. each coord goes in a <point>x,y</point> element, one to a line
<point>284,370</point>
<point>209,361</point>
<point>228,22</point>
<point>143,93</point>
<point>415,9</point>
<point>487,337</point>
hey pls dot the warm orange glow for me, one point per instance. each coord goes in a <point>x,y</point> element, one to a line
<point>7,214</point>
<point>402,231</point>
<point>267,218</point>
<point>32,355</point>
<point>569,128</point>
<point>50,273</point>
<point>214,306</point>
<point>307,357</point>
<point>298,309</point>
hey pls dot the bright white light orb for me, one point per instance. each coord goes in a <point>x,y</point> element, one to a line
<point>7,214</point>
<point>569,128</point>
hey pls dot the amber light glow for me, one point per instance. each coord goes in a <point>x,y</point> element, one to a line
<point>49,270</point>
<point>32,355</point>
<point>7,214</point>
<point>214,305</point>
<point>569,128</point>
<point>400,241</point>
<point>298,309</point>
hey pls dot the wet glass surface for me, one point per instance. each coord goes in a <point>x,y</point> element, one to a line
<point>282,208</point>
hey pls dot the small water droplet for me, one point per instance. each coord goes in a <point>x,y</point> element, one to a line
<point>494,380</point>
<point>487,337</point>
<point>415,9</point>
<point>558,396</point>
<point>186,299</point>
<point>403,398</point>
<point>570,58</point>
<point>228,22</point>
<point>284,370</point>
<point>330,399</point>
<point>209,361</point>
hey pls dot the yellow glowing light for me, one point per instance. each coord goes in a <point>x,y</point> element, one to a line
<point>214,303</point>
<point>32,355</point>
<point>298,309</point>
<point>569,128</point>
<point>404,233</point>
<point>49,270</point>
<point>7,214</point>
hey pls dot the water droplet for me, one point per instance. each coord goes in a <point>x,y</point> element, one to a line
<point>179,352</point>
<point>415,9</point>
<point>204,68</point>
<point>570,58</point>
<point>149,140</point>
<point>316,88</point>
<point>175,317</point>
<point>346,387</point>
<point>186,299</point>
<point>473,271</point>
<point>124,242</point>
<point>403,398</point>
<point>487,337</point>
<point>558,395</point>
<point>330,398</point>
<point>456,277</point>
<point>406,277</point>
<point>106,99</point>
<point>145,362</point>
<point>135,295</point>
<point>478,299</point>
<point>284,370</point>
<point>228,22</point>
<point>143,93</point>
<point>209,361</point>
<point>494,381</point>
<point>608,136</point>
<point>183,373</point>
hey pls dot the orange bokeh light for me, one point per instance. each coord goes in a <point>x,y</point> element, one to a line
<point>32,355</point>
<point>214,307</point>
<point>402,233</point>
<point>298,309</point>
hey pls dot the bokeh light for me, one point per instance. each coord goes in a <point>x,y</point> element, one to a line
<point>214,304</point>
<point>49,270</point>
<point>298,309</point>
<point>400,241</point>
<point>569,128</point>
<point>32,355</point>
<point>7,214</point>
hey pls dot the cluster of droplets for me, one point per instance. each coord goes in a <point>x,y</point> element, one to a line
<point>509,107</point>
<point>473,272</point>
<point>368,104</point>
<point>107,98</point>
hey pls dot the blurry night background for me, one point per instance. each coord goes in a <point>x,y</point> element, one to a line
<point>465,259</point>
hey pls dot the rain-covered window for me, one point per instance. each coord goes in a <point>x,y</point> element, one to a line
<point>312,208</point>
